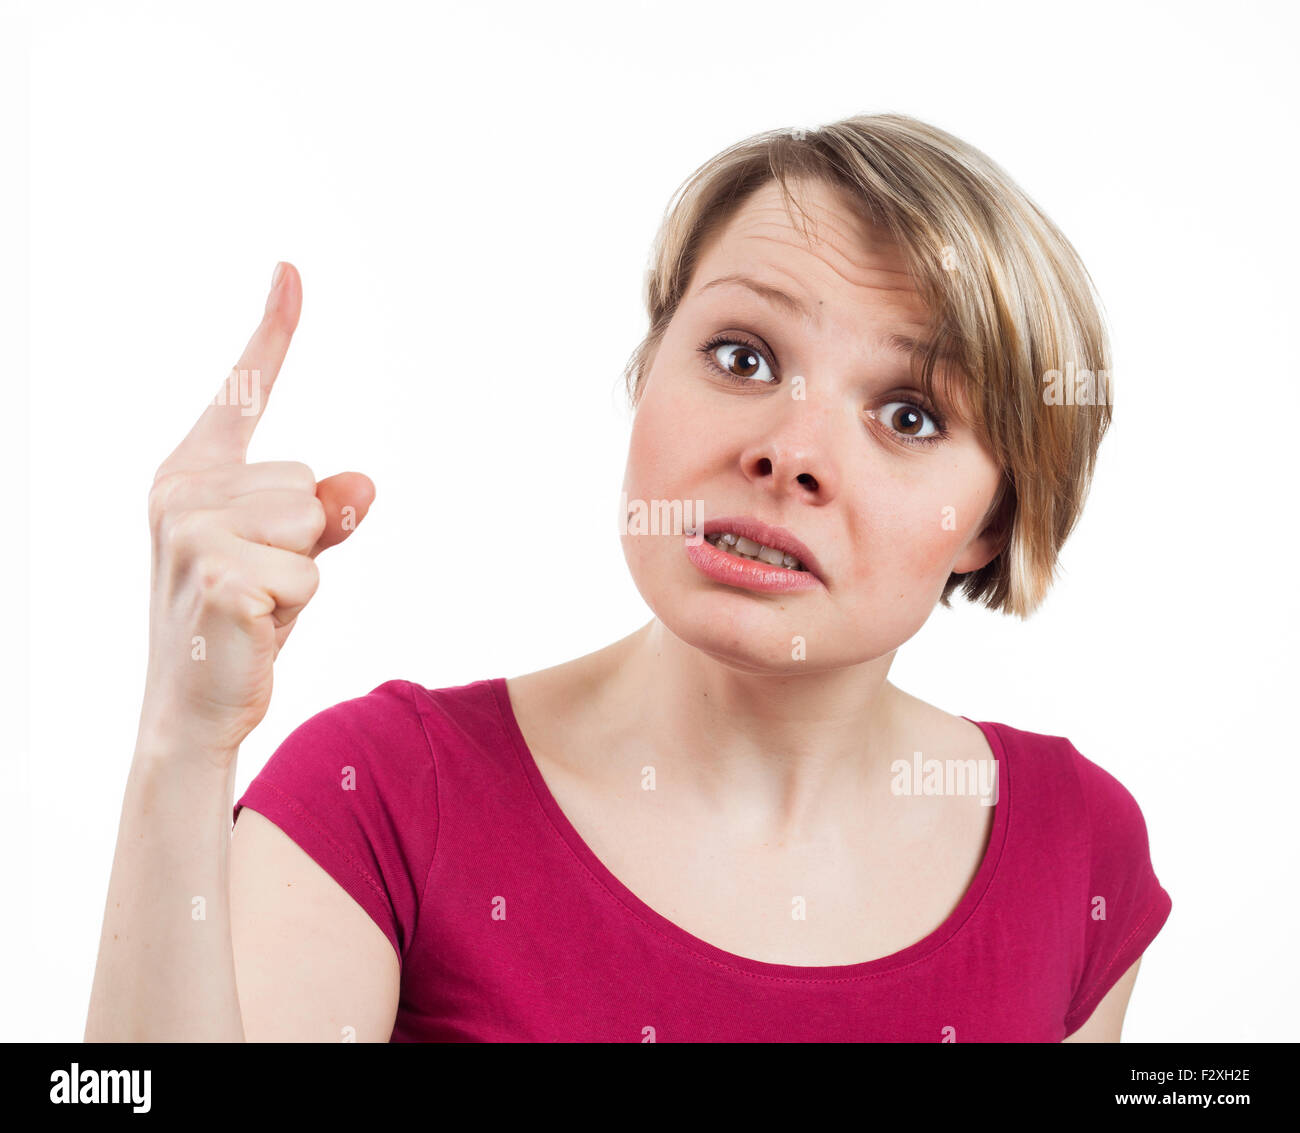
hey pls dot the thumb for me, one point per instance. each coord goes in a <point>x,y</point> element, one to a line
<point>346,497</point>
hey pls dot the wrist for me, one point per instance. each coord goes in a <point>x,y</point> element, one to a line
<point>159,744</point>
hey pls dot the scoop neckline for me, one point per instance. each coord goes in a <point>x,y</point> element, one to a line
<point>656,921</point>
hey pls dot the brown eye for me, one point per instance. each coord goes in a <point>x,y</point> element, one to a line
<point>743,363</point>
<point>907,419</point>
<point>740,361</point>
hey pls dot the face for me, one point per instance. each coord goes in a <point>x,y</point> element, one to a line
<point>807,421</point>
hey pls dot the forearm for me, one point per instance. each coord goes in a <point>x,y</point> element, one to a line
<point>166,967</point>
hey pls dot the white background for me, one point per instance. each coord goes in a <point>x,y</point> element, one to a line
<point>470,199</point>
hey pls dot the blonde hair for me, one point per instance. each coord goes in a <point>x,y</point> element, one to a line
<point>1009,299</point>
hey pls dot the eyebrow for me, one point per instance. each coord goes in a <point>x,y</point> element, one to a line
<point>899,343</point>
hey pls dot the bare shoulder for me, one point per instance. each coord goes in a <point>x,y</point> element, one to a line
<point>944,734</point>
<point>542,703</point>
<point>553,706</point>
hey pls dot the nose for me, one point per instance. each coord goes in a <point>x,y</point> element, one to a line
<point>793,460</point>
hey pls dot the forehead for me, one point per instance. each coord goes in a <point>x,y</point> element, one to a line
<point>844,269</point>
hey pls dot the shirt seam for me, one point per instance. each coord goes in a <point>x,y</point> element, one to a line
<point>1087,812</point>
<point>1101,979</point>
<point>302,812</point>
<point>437,807</point>
<point>1083,998</point>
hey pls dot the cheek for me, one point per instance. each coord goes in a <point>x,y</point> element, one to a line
<point>645,450</point>
<point>663,441</point>
<point>658,472</point>
<point>958,523</point>
<point>634,549</point>
<point>911,545</point>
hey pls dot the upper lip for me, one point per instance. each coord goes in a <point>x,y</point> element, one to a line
<point>778,538</point>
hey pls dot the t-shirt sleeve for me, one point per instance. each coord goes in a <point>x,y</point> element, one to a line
<point>1126,904</point>
<point>355,786</point>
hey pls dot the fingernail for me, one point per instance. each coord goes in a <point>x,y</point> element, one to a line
<point>279,272</point>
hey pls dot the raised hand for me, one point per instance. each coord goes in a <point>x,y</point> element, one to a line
<point>234,549</point>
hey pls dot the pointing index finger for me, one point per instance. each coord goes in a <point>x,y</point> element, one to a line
<point>222,434</point>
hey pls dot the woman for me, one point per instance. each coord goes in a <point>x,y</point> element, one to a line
<point>874,374</point>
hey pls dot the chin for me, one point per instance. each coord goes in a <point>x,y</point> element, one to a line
<point>731,645</point>
<point>756,633</point>
<point>747,632</point>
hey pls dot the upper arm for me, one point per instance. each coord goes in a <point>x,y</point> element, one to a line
<point>1123,907</point>
<point>1107,1019</point>
<point>310,962</point>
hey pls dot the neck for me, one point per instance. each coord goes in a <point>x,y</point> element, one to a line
<point>776,754</point>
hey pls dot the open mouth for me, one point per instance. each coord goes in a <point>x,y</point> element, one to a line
<point>743,548</point>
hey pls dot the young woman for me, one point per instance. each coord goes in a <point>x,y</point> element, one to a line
<point>874,374</point>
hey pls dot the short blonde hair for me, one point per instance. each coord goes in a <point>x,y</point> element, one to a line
<point>1009,299</point>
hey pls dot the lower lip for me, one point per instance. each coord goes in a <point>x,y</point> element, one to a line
<point>749,574</point>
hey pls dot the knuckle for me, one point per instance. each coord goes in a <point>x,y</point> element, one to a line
<point>303,476</point>
<point>310,581</point>
<point>303,523</point>
<point>163,470</point>
<point>317,517</point>
<point>162,496</point>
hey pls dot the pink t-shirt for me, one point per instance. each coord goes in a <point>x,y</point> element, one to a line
<point>427,807</point>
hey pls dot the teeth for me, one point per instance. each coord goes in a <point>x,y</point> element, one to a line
<point>744,548</point>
